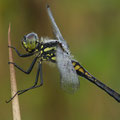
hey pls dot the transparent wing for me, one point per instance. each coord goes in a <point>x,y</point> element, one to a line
<point>56,30</point>
<point>69,78</point>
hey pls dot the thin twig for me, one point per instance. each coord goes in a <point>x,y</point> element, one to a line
<point>15,101</point>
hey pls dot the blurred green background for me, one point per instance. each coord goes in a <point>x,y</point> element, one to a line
<point>92,30</point>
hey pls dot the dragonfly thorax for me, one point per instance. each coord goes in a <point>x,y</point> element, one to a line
<point>47,50</point>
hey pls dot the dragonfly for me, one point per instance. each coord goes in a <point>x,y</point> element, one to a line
<point>56,51</point>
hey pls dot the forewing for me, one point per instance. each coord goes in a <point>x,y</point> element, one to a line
<point>69,78</point>
<point>56,30</point>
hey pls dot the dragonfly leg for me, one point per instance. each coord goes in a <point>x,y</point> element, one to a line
<point>29,69</point>
<point>41,77</point>
<point>19,54</point>
<point>32,87</point>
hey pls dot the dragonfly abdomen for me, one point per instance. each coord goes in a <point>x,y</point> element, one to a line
<point>82,72</point>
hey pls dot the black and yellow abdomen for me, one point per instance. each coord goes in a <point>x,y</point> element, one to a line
<point>80,70</point>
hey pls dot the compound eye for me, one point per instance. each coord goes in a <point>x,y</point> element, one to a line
<point>30,42</point>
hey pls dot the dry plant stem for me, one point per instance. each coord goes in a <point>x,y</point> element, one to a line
<point>15,101</point>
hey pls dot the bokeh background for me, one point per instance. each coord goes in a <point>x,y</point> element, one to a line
<point>92,30</point>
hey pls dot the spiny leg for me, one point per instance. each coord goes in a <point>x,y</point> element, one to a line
<point>34,86</point>
<point>29,69</point>
<point>21,55</point>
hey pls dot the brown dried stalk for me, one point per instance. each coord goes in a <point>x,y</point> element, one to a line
<point>15,101</point>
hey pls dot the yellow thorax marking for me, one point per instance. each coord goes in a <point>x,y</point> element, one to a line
<point>41,46</point>
<point>41,51</point>
<point>43,58</point>
<point>53,58</point>
<point>48,54</point>
<point>48,49</point>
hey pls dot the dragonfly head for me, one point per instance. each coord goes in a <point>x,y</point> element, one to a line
<point>30,42</point>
